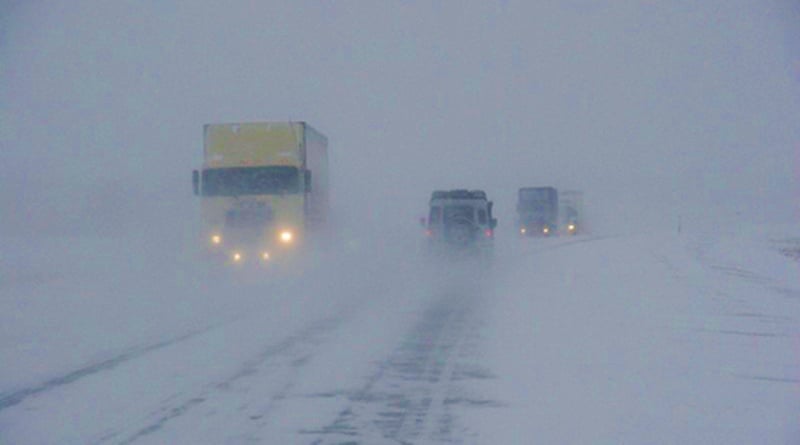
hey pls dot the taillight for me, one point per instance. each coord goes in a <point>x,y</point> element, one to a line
<point>428,232</point>
<point>488,233</point>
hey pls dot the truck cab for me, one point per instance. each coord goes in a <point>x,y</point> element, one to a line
<point>537,211</point>
<point>460,221</point>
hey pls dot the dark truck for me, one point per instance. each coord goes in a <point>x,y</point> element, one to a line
<point>460,220</point>
<point>537,211</point>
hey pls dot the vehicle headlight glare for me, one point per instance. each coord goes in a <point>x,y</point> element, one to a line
<point>216,239</point>
<point>287,236</point>
<point>237,257</point>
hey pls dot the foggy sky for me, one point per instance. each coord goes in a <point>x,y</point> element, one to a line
<point>655,109</point>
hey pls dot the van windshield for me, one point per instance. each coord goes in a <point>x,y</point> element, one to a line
<point>239,181</point>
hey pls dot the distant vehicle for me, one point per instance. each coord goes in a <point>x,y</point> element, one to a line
<point>571,203</point>
<point>460,221</point>
<point>262,186</point>
<point>537,211</point>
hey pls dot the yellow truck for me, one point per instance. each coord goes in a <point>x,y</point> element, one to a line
<point>263,188</point>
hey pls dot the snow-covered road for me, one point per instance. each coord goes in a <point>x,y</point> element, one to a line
<point>659,338</point>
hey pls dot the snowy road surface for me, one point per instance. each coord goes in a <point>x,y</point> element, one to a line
<point>658,338</point>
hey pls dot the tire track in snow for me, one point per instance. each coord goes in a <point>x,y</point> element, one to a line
<point>409,394</point>
<point>295,349</point>
<point>14,398</point>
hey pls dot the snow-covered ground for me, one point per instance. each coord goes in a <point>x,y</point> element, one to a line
<point>650,338</point>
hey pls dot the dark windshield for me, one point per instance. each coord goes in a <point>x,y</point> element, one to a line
<point>238,181</point>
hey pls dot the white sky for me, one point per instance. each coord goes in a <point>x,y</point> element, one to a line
<point>655,110</point>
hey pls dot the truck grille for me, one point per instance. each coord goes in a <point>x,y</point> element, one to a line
<point>253,214</point>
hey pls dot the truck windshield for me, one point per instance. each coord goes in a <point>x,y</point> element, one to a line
<point>238,181</point>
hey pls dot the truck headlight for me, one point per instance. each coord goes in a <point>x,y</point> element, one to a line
<point>286,236</point>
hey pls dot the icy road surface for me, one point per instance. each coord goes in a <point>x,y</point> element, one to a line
<point>664,338</point>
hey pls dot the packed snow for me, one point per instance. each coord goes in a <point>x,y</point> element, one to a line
<point>651,338</point>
